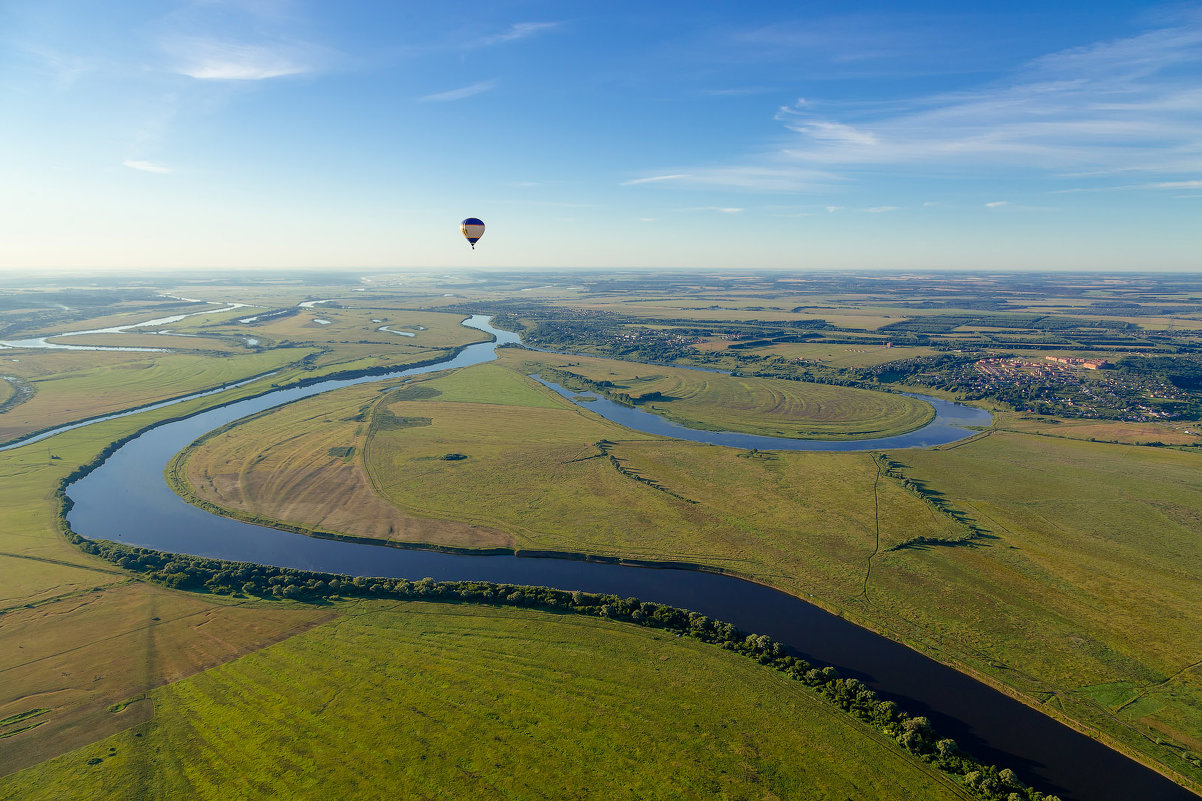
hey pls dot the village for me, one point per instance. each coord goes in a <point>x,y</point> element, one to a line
<point>1075,387</point>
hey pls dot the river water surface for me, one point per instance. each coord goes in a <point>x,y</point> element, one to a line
<point>127,500</point>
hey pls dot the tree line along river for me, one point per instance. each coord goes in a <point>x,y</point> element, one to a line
<point>126,499</point>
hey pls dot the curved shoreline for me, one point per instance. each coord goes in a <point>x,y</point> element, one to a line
<point>509,555</point>
<point>181,488</point>
<point>342,375</point>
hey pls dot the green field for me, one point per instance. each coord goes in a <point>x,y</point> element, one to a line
<point>7,390</point>
<point>76,636</point>
<point>764,406</point>
<point>1079,594</point>
<point>439,701</point>
<point>1067,592</point>
<point>533,472</point>
<point>869,354</point>
<point>97,383</point>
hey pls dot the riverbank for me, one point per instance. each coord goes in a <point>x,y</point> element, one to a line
<point>375,559</point>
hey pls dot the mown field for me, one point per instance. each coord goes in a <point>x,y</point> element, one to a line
<point>1178,432</point>
<point>765,406</point>
<point>89,654</point>
<point>71,385</point>
<point>170,342</point>
<point>76,635</point>
<point>534,472</point>
<point>1106,537</point>
<point>1080,596</point>
<point>438,701</point>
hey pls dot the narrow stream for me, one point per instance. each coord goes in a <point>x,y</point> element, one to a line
<point>127,500</point>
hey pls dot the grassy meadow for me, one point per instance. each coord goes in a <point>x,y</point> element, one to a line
<point>535,479</point>
<point>76,634</point>
<point>96,383</point>
<point>764,406</point>
<point>78,638</point>
<point>869,354</point>
<point>96,661</point>
<point>1081,596</point>
<point>479,702</point>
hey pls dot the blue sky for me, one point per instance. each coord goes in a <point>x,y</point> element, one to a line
<point>274,133</point>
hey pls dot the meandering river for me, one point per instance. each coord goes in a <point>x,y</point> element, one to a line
<point>127,500</point>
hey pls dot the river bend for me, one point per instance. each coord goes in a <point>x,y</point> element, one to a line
<point>127,500</point>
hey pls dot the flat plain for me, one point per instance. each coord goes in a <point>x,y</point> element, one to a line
<point>1060,569</point>
<point>97,660</point>
<point>437,700</point>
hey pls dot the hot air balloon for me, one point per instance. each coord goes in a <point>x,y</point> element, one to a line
<point>473,229</point>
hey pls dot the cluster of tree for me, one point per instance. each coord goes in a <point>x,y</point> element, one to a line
<point>851,695</point>
<point>971,531</point>
<point>1183,372</point>
<point>946,323</point>
<point>579,383</point>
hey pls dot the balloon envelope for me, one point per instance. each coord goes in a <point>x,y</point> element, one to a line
<point>473,229</point>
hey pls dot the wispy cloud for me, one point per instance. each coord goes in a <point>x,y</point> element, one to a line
<point>146,166</point>
<point>652,179</point>
<point>1128,105</point>
<point>64,68</point>
<point>460,93</point>
<point>752,178</point>
<point>1125,104</point>
<point>997,204</point>
<point>1175,185</point>
<point>516,32</point>
<point>213,59</point>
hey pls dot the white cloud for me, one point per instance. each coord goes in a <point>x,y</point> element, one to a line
<point>997,204</point>
<point>1130,105</point>
<point>516,32</point>
<point>752,178</point>
<point>211,59</point>
<point>832,132</point>
<point>1176,185</point>
<point>718,209</point>
<point>654,179</point>
<point>460,93</point>
<point>146,166</point>
<point>1124,104</point>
